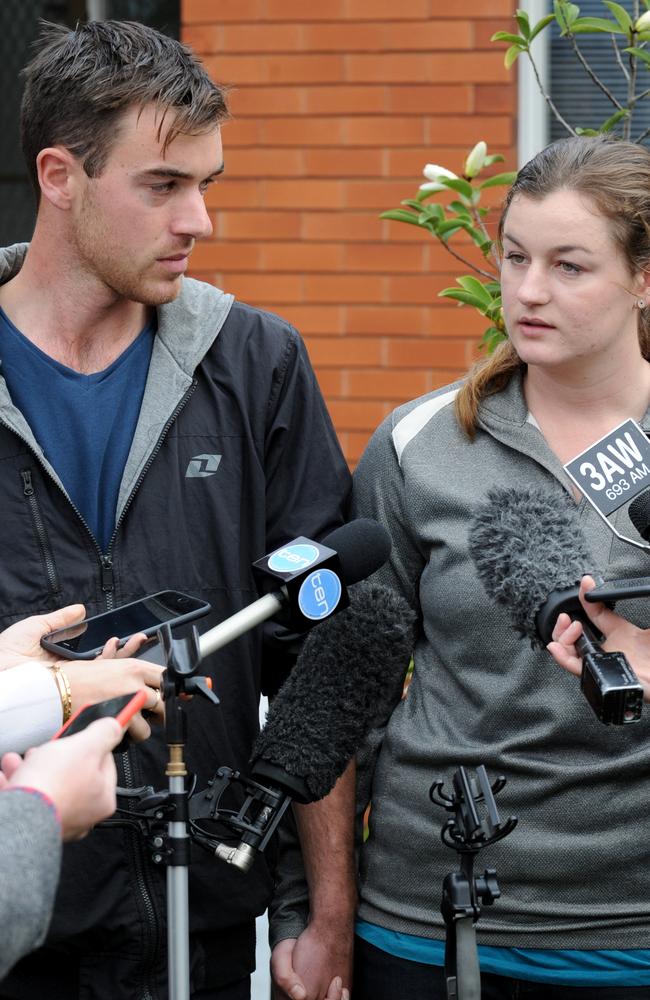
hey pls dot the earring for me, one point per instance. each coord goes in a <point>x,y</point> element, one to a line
<point>641,304</point>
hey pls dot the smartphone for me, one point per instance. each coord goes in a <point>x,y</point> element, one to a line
<point>86,640</point>
<point>122,708</point>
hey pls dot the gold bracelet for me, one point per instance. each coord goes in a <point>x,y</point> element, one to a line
<point>65,692</point>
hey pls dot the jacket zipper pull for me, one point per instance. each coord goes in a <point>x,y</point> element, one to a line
<point>107,574</point>
<point>28,489</point>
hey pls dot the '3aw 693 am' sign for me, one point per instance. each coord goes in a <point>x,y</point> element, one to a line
<point>615,469</point>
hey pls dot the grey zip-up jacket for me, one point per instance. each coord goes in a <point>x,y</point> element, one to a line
<point>230,392</point>
<point>576,871</point>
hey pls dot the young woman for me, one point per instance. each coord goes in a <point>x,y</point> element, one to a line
<point>574,916</point>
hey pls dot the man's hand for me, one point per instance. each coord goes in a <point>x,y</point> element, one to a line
<point>77,773</point>
<point>620,636</point>
<point>301,967</point>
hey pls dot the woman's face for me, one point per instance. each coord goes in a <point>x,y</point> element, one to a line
<point>567,291</point>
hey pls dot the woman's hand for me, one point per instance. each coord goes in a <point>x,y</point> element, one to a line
<point>621,636</point>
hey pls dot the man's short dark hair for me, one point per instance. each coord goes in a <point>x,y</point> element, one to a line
<point>80,83</point>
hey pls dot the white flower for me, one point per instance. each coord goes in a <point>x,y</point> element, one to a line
<point>475,160</point>
<point>643,23</point>
<point>433,173</point>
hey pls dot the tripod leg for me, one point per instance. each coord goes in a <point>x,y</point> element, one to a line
<point>468,973</point>
<point>178,933</point>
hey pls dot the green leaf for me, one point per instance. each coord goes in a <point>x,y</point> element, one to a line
<point>466,298</point>
<point>414,204</point>
<point>458,184</point>
<point>565,14</point>
<point>541,25</point>
<point>399,215</point>
<point>505,36</point>
<point>492,338</point>
<point>586,131</point>
<point>588,25</point>
<point>616,117</point>
<point>623,18</point>
<point>506,178</point>
<point>476,288</point>
<point>447,229</point>
<point>434,213</point>
<point>511,55</point>
<point>523,22</point>
<point>641,54</point>
<point>497,157</point>
<point>461,210</point>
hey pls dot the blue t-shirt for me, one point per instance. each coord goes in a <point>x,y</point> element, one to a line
<point>83,423</point>
<point>562,967</point>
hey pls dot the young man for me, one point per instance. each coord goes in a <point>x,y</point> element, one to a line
<point>155,434</point>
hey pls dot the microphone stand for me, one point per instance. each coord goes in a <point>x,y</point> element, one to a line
<point>462,891</point>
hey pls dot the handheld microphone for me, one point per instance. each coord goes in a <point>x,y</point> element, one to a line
<point>349,674</point>
<point>530,554</point>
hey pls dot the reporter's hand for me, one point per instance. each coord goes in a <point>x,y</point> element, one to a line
<point>302,967</point>
<point>620,636</point>
<point>97,680</point>
<point>22,641</point>
<point>77,773</point>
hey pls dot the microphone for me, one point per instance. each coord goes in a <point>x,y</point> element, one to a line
<point>349,674</point>
<point>530,554</point>
<point>639,512</point>
<point>312,577</point>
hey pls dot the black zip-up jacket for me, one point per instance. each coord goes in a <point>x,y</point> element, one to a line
<point>233,454</point>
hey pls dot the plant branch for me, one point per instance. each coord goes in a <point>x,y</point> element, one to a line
<point>619,59</point>
<point>643,136</point>
<point>631,87</point>
<point>468,263</point>
<point>590,72</point>
<point>639,97</point>
<point>548,98</point>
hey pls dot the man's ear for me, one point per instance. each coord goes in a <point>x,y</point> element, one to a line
<point>57,172</point>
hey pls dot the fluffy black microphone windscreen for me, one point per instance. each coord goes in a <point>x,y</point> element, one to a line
<point>525,544</point>
<point>349,674</point>
<point>639,512</point>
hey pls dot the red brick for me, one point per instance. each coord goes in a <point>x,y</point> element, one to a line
<point>268,288</point>
<point>461,67</point>
<point>383,258</point>
<point>258,225</point>
<point>226,256</point>
<point>277,68</point>
<point>303,131</point>
<point>494,129</point>
<point>375,195</point>
<point>331,382</point>
<point>307,194</point>
<point>197,11</point>
<point>241,132</point>
<point>354,414</point>
<point>300,257</point>
<point>355,446</point>
<point>346,226</point>
<point>344,99</point>
<point>388,385</point>
<point>256,101</point>
<point>233,193</point>
<point>265,162</point>
<point>484,29</point>
<point>374,9</point>
<point>383,36</point>
<point>495,98</point>
<point>410,162</point>
<point>262,38</point>
<point>309,319</point>
<point>403,321</point>
<point>418,99</point>
<point>342,162</point>
<point>344,288</point>
<point>432,353</point>
<point>298,10</point>
<point>383,130</point>
<point>347,351</point>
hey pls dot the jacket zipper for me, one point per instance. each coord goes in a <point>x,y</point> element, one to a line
<point>107,583</point>
<point>41,532</point>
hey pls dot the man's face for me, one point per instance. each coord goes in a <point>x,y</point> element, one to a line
<point>134,225</point>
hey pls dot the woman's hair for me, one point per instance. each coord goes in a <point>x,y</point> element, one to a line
<point>615,175</point>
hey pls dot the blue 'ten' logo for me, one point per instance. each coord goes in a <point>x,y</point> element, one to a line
<point>293,558</point>
<point>319,594</point>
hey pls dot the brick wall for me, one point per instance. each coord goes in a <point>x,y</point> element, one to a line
<point>337,106</point>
